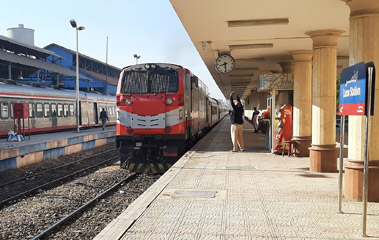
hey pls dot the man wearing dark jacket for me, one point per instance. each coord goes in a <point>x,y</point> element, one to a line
<point>236,128</point>
<point>103,117</point>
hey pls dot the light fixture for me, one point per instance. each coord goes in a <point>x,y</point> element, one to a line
<point>74,25</point>
<point>251,59</point>
<point>246,69</point>
<point>251,46</point>
<point>241,75</point>
<point>136,57</point>
<point>258,22</point>
<point>203,45</point>
<point>169,101</point>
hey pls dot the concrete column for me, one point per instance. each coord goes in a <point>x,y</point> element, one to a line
<point>323,153</point>
<point>364,47</point>
<point>302,101</point>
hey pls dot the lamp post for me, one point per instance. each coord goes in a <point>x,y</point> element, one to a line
<point>136,57</point>
<point>73,24</point>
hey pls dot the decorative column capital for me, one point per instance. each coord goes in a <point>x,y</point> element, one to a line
<point>287,67</point>
<point>304,55</point>
<point>362,7</point>
<point>325,38</point>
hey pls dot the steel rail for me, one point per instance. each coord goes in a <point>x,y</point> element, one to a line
<point>55,168</point>
<point>3,202</point>
<point>83,207</point>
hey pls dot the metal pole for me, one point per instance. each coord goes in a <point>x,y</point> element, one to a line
<point>366,161</point>
<point>77,80</point>
<point>106,67</point>
<point>9,71</point>
<point>340,172</point>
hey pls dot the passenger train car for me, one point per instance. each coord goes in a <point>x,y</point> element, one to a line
<point>52,109</point>
<point>162,109</point>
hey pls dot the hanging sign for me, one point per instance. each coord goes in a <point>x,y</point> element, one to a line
<point>353,90</point>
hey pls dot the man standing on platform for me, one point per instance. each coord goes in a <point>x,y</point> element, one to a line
<point>104,118</point>
<point>236,128</point>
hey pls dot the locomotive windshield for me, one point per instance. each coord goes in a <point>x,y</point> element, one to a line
<point>155,81</point>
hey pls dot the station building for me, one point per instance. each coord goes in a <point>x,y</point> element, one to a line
<point>53,65</point>
<point>291,52</point>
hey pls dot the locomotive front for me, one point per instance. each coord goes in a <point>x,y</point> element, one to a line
<point>151,125</point>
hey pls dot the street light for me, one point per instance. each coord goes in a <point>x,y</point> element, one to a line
<point>73,24</point>
<point>136,57</point>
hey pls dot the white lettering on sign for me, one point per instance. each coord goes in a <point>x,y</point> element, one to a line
<point>356,91</point>
<point>353,78</point>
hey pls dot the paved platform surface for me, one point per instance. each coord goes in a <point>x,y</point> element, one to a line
<point>213,193</point>
<point>47,137</point>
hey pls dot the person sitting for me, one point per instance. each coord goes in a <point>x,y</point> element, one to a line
<point>12,137</point>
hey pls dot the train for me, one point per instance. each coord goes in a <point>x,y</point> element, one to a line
<point>52,109</point>
<point>162,109</point>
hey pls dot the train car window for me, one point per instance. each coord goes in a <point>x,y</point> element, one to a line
<point>39,110</point>
<point>46,108</point>
<point>65,110</point>
<point>31,110</point>
<point>60,110</point>
<point>154,81</point>
<point>71,108</point>
<point>11,113</point>
<point>53,110</point>
<point>4,110</point>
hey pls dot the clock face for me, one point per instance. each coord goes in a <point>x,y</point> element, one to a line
<point>224,63</point>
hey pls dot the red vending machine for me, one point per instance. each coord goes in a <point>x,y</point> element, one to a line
<point>21,111</point>
<point>284,130</point>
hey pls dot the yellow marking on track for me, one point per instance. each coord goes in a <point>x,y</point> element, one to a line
<point>140,166</point>
<point>152,167</point>
<point>131,167</point>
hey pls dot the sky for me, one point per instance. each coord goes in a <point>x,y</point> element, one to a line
<point>149,28</point>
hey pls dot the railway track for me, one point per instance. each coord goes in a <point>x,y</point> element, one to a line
<point>52,169</point>
<point>82,208</point>
<point>54,181</point>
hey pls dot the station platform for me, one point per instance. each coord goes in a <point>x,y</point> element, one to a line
<point>51,145</point>
<point>213,193</point>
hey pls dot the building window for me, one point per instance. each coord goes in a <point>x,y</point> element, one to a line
<point>4,110</point>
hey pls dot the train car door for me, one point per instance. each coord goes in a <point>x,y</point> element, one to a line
<point>96,113</point>
<point>80,113</point>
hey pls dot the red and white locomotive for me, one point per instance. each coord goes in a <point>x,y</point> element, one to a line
<point>162,109</point>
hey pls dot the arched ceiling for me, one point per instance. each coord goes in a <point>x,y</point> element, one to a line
<point>258,34</point>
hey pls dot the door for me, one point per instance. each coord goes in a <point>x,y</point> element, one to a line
<point>96,113</point>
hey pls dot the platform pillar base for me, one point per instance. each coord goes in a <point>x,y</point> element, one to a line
<point>302,145</point>
<point>323,158</point>
<point>354,180</point>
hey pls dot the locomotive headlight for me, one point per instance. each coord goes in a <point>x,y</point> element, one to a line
<point>147,66</point>
<point>128,101</point>
<point>169,101</point>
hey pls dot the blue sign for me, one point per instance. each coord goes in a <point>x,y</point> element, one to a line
<point>353,90</point>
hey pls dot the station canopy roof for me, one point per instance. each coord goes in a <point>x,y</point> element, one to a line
<point>30,58</point>
<point>21,48</point>
<point>259,34</point>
